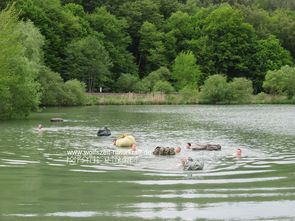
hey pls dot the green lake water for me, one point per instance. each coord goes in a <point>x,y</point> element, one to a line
<point>66,172</point>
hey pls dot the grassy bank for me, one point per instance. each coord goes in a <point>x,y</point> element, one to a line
<point>134,98</point>
<point>175,98</point>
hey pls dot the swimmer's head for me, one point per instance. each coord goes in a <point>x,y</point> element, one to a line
<point>184,160</point>
<point>133,147</point>
<point>177,149</point>
<point>114,141</point>
<point>188,145</point>
<point>239,152</point>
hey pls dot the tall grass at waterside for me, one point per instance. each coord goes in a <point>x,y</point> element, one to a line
<point>174,99</point>
<point>137,99</point>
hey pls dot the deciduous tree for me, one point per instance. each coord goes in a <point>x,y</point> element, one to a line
<point>185,70</point>
<point>87,60</point>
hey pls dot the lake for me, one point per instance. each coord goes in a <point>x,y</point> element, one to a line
<point>66,172</point>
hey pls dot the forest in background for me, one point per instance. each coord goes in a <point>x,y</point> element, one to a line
<point>223,50</point>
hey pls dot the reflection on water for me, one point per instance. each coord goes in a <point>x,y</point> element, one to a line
<point>188,211</point>
<point>237,211</point>
<point>40,180</point>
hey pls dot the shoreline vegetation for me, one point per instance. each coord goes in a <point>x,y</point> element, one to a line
<point>174,99</point>
<point>164,52</point>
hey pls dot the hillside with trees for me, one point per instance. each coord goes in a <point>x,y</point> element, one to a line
<point>54,50</point>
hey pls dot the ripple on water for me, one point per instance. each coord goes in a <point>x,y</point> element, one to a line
<point>216,195</point>
<point>17,162</point>
<point>162,188</point>
<point>207,181</point>
<point>249,210</point>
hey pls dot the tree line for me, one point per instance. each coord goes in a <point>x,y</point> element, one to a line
<point>139,46</point>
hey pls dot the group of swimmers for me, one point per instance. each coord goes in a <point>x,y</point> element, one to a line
<point>187,162</point>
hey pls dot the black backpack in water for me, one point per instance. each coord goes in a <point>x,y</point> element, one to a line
<point>104,132</point>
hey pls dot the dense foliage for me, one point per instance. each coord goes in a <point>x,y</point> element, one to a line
<point>18,66</point>
<point>141,46</point>
<point>25,82</point>
<point>217,90</point>
<point>281,81</point>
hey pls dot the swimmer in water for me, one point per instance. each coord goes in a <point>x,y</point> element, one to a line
<point>134,147</point>
<point>189,164</point>
<point>238,153</point>
<point>114,141</point>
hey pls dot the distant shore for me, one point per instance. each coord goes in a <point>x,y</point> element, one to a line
<point>173,99</point>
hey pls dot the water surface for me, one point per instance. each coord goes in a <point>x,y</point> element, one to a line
<point>66,172</point>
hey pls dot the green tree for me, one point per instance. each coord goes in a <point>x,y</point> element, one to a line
<point>191,6</point>
<point>57,93</point>
<point>227,43</point>
<point>283,27</point>
<point>167,7</point>
<point>87,60</point>
<point>190,95</point>
<point>270,55</point>
<point>80,19</point>
<point>162,74</point>
<point>142,86</point>
<point>19,90</point>
<point>274,4</point>
<point>170,47</point>
<point>185,70</point>
<point>74,93</point>
<point>164,87</point>
<point>59,26</point>
<point>33,41</point>
<point>52,87</point>
<point>126,83</point>
<point>181,26</point>
<point>115,39</point>
<point>215,90</point>
<point>136,13</point>
<point>281,81</point>
<point>241,90</point>
<point>280,23</point>
<point>4,3</point>
<point>207,3</point>
<point>259,19</point>
<point>91,5</point>
<point>151,48</point>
